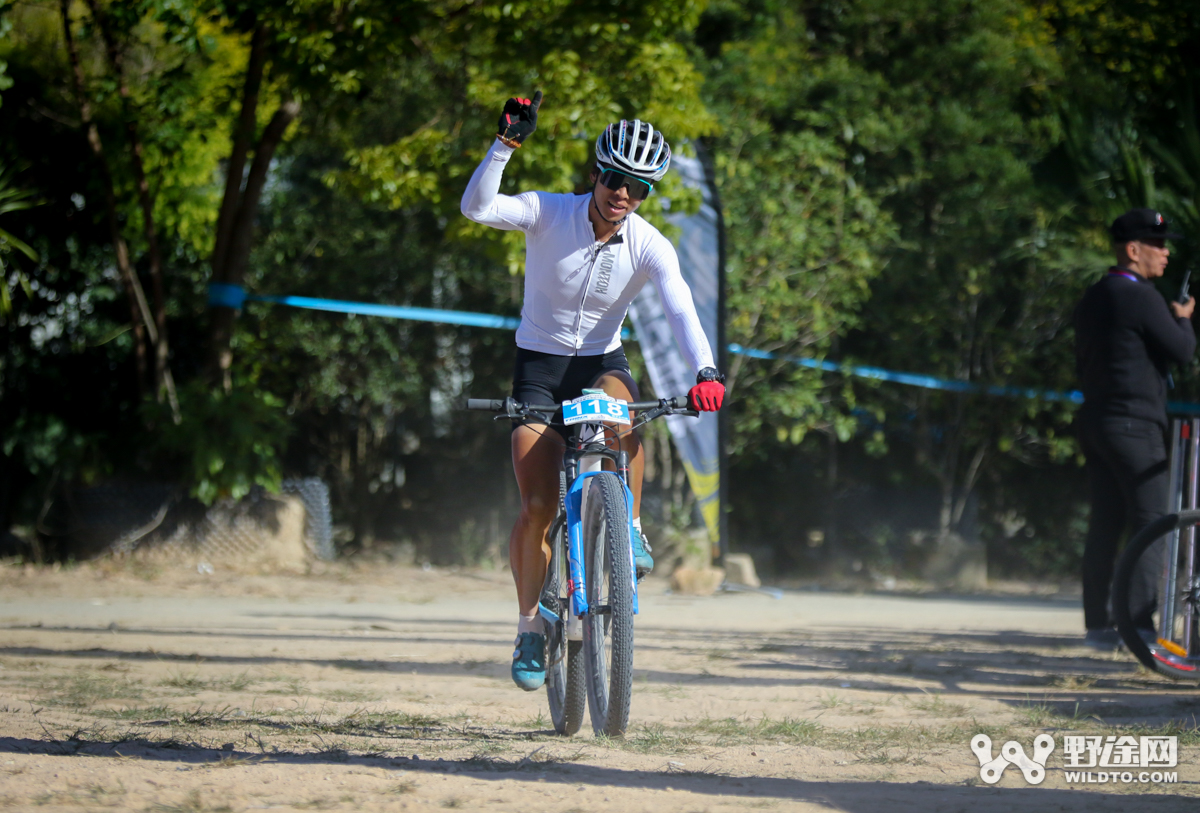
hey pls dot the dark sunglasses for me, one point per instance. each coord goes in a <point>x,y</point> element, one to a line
<point>614,180</point>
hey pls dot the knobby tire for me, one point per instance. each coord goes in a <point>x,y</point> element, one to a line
<point>565,679</point>
<point>608,626</point>
<point>1156,658</point>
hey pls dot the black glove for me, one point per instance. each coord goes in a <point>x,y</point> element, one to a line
<point>519,119</point>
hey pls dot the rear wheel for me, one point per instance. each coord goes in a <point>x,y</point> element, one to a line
<point>1163,635</point>
<point>565,679</point>
<point>608,625</point>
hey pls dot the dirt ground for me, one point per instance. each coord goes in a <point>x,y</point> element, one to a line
<point>375,687</point>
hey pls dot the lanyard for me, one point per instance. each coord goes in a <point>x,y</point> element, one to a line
<point>1120,272</point>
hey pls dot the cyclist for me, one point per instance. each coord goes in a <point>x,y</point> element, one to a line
<point>586,257</point>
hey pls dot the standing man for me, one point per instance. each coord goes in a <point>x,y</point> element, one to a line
<point>1126,336</point>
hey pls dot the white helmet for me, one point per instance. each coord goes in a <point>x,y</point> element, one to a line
<point>635,148</point>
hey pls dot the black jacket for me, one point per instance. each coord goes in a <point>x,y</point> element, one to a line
<point>1125,338</point>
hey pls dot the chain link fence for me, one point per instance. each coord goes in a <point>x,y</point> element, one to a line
<point>156,522</point>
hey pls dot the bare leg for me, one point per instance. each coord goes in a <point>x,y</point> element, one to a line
<point>537,452</point>
<point>621,385</point>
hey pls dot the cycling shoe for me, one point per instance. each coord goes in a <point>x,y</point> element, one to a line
<point>642,560</point>
<point>529,661</point>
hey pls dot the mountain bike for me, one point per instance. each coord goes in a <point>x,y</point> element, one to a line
<point>589,597</point>
<point>1165,552</point>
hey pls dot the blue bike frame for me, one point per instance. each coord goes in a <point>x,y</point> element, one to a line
<point>577,586</point>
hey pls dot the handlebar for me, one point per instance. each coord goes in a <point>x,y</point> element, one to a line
<point>679,402</point>
<point>486,404</point>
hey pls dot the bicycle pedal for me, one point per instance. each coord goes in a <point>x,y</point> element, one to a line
<point>1172,647</point>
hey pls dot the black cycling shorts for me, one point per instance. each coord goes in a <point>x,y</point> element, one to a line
<point>544,378</point>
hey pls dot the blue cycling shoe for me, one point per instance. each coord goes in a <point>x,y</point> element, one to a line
<point>529,661</point>
<point>642,560</point>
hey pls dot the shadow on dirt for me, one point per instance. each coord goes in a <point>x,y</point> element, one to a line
<point>1046,676</point>
<point>852,796</point>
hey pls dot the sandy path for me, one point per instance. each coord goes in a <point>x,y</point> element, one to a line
<point>385,688</point>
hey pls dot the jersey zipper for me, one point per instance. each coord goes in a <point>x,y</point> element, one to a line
<point>587,283</point>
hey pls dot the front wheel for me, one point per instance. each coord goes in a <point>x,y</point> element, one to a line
<point>1156,597</point>
<point>608,625</point>
<point>564,659</point>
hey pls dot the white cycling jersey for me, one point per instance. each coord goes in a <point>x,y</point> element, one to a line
<point>578,290</point>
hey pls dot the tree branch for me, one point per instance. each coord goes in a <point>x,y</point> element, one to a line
<point>243,227</point>
<point>243,137</point>
<point>163,380</point>
<point>139,311</point>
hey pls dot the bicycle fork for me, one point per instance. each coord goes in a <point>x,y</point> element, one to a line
<point>577,588</point>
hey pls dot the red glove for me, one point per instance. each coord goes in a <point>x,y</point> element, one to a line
<point>706,396</point>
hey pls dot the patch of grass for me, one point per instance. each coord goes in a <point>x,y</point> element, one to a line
<point>731,730</point>
<point>487,749</point>
<point>540,723</point>
<point>86,688</point>
<point>137,714</point>
<point>235,683</point>
<point>233,761</point>
<point>350,696</point>
<point>790,730</point>
<point>652,739</point>
<point>831,700</point>
<point>201,718</point>
<point>937,705</point>
<point>1041,715</point>
<point>87,796</point>
<point>190,682</point>
<point>192,803</point>
<point>671,691</point>
<point>893,756</point>
<point>403,788</point>
<point>288,686</point>
<point>1073,683</point>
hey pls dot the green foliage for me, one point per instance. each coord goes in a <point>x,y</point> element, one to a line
<point>5,26</point>
<point>592,67</point>
<point>915,184</point>
<point>226,444</point>
<point>12,199</point>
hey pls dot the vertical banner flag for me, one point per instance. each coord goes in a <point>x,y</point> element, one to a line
<point>697,439</point>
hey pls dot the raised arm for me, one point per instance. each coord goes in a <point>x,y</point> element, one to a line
<point>483,203</point>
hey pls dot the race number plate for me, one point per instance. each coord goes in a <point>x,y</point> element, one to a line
<point>593,407</point>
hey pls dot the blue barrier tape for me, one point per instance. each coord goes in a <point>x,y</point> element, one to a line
<point>911,379</point>
<point>224,295</point>
<point>395,311</point>
<point>234,296</point>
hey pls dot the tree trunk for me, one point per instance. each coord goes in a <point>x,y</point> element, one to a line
<point>139,311</point>
<point>164,382</point>
<point>239,207</point>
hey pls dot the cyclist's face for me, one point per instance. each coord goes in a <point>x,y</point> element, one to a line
<point>613,204</point>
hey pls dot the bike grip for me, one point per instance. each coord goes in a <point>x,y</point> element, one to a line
<point>485,404</point>
<point>679,402</point>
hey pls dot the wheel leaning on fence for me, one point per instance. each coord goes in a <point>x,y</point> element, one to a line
<point>1176,652</point>
<point>608,625</point>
